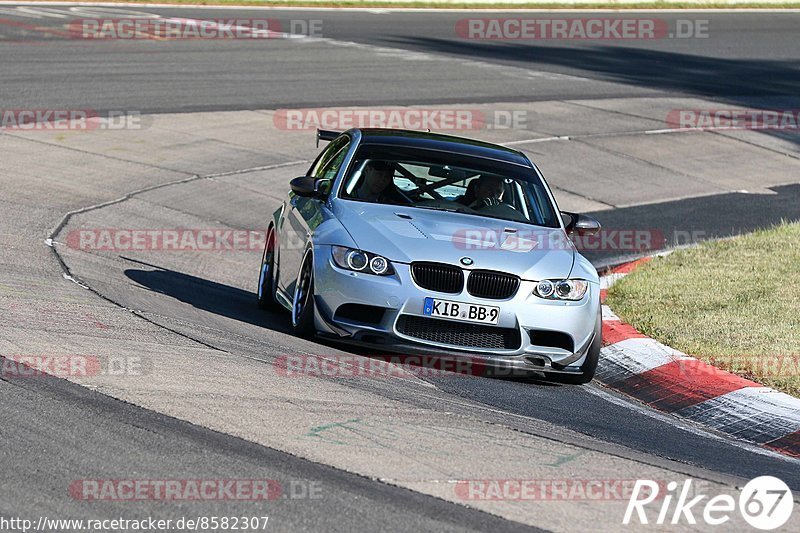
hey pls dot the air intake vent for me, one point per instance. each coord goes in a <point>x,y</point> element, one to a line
<point>554,339</point>
<point>438,277</point>
<point>367,314</point>
<point>458,334</point>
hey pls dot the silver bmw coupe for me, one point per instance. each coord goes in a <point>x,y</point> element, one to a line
<point>424,243</point>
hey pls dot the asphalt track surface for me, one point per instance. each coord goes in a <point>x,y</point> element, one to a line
<point>746,58</point>
<point>54,431</point>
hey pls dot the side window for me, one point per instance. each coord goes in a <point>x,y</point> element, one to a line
<point>327,164</point>
<point>328,171</point>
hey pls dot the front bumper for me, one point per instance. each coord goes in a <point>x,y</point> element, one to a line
<point>524,314</point>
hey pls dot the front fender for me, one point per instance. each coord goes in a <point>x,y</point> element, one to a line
<point>332,233</point>
<point>276,217</point>
<point>583,269</point>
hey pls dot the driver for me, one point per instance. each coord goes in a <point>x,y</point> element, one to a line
<point>378,184</point>
<point>487,191</point>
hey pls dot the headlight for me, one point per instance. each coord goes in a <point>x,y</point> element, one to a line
<point>379,265</point>
<point>361,261</point>
<point>356,260</point>
<point>561,289</point>
<point>545,288</point>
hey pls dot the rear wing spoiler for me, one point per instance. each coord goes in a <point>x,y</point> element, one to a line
<point>326,135</point>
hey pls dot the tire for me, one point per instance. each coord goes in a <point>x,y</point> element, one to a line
<point>265,294</point>
<point>589,366</point>
<point>303,300</point>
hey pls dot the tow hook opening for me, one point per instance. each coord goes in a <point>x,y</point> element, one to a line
<point>537,360</point>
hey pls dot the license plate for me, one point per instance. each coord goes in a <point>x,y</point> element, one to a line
<point>483,314</point>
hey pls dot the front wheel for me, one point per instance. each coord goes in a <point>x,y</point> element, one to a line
<point>303,301</point>
<point>589,366</point>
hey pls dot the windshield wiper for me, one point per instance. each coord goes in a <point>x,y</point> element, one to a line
<point>448,209</point>
<point>468,211</point>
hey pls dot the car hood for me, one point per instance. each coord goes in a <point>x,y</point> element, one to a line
<point>406,234</point>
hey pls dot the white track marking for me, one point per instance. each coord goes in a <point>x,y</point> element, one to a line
<point>639,355</point>
<point>538,140</point>
<point>607,281</point>
<point>743,410</point>
<point>663,131</point>
<point>410,55</point>
<point>683,425</point>
<point>609,315</point>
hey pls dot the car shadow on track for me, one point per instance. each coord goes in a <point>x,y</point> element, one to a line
<point>239,304</point>
<point>207,295</point>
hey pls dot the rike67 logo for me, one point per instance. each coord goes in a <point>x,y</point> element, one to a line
<point>765,503</point>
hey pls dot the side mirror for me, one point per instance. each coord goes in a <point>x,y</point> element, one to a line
<point>309,187</point>
<point>580,224</point>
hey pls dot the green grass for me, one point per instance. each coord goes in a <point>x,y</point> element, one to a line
<point>493,6</point>
<point>734,303</point>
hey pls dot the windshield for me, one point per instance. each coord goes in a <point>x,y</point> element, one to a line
<point>428,179</point>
